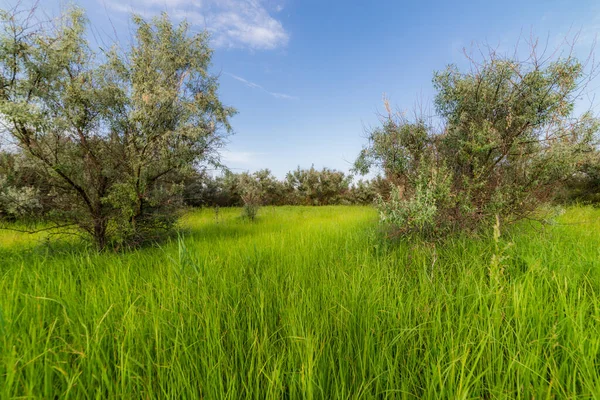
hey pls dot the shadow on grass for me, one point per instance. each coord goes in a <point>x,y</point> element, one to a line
<point>57,248</point>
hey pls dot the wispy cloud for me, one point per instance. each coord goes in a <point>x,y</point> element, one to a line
<point>253,85</point>
<point>246,159</point>
<point>232,23</point>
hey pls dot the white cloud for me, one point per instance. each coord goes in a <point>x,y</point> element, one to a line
<point>253,85</point>
<point>232,23</point>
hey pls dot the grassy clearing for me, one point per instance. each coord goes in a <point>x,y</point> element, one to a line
<point>306,303</point>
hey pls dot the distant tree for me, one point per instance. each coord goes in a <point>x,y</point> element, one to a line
<point>301,187</point>
<point>381,186</point>
<point>112,134</point>
<point>200,189</point>
<point>252,193</point>
<point>508,140</point>
<point>273,191</point>
<point>314,187</point>
<point>18,198</point>
<point>583,185</point>
<point>259,189</point>
<point>361,192</point>
<point>365,192</point>
<point>203,190</point>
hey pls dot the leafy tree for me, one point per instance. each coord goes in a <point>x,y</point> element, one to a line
<point>584,185</point>
<point>508,139</point>
<point>360,193</point>
<point>259,189</point>
<point>112,134</point>
<point>252,194</point>
<point>229,189</point>
<point>365,192</point>
<point>314,187</point>
<point>204,190</point>
<point>273,191</point>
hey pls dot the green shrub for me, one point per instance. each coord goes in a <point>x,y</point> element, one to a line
<point>508,139</point>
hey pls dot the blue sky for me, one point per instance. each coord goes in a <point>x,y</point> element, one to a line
<point>308,76</point>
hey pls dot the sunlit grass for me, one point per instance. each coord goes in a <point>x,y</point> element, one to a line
<point>305,303</point>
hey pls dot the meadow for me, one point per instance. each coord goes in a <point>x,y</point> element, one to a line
<point>305,302</point>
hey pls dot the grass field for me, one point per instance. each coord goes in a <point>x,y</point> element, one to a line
<point>305,303</point>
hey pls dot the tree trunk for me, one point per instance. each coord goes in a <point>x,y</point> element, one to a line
<point>99,234</point>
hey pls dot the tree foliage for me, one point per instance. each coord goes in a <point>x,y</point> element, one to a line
<point>314,187</point>
<point>300,187</point>
<point>20,194</point>
<point>508,138</point>
<point>584,184</point>
<point>112,134</point>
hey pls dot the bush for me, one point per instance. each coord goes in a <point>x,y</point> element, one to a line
<point>508,140</point>
<point>317,188</point>
<point>203,190</point>
<point>584,185</point>
<point>366,192</point>
<point>252,194</point>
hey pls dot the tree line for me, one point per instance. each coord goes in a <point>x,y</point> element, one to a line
<point>24,196</point>
<point>309,187</point>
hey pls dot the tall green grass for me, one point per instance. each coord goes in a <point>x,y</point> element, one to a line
<point>306,303</point>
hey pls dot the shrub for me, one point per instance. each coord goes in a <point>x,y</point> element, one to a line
<point>252,194</point>
<point>584,185</point>
<point>314,187</point>
<point>508,139</point>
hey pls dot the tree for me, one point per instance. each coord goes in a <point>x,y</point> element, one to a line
<point>203,190</point>
<point>508,138</point>
<point>259,189</point>
<point>584,185</point>
<point>273,191</point>
<point>314,187</point>
<point>365,192</point>
<point>112,133</point>
<point>252,194</point>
